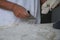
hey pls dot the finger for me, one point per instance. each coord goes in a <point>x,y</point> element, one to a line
<point>17,15</point>
<point>22,16</point>
<point>26,14</point>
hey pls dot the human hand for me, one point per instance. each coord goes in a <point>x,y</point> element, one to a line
<point>20,12</point>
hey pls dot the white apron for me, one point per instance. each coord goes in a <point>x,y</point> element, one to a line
<point>7,17</point>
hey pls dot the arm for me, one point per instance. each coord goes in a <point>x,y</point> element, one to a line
<point>19,11</point>
<point>6,5</point>
<point>54,4</point>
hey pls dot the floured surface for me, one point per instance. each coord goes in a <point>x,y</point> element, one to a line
<point>25,31</point>
<point>57,32</point>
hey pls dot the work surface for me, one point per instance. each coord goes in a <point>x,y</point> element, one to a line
<point>24,31</point>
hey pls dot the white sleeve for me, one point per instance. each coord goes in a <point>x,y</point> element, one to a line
<point>49,5</point>
<point>45,7</point>
<point>54,3</point>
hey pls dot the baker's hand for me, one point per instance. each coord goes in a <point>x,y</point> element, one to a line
<point>20,12</point>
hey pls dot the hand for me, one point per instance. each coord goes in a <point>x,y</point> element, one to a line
<point>20,12</point>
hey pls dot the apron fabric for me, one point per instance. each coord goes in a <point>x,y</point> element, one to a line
<point>7,17</point>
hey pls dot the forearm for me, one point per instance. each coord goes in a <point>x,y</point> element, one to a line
<point>6,5</point>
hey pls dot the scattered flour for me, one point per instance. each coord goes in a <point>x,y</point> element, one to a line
<point>25,31</point>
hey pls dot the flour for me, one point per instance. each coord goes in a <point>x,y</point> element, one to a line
<point>25,31</point>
